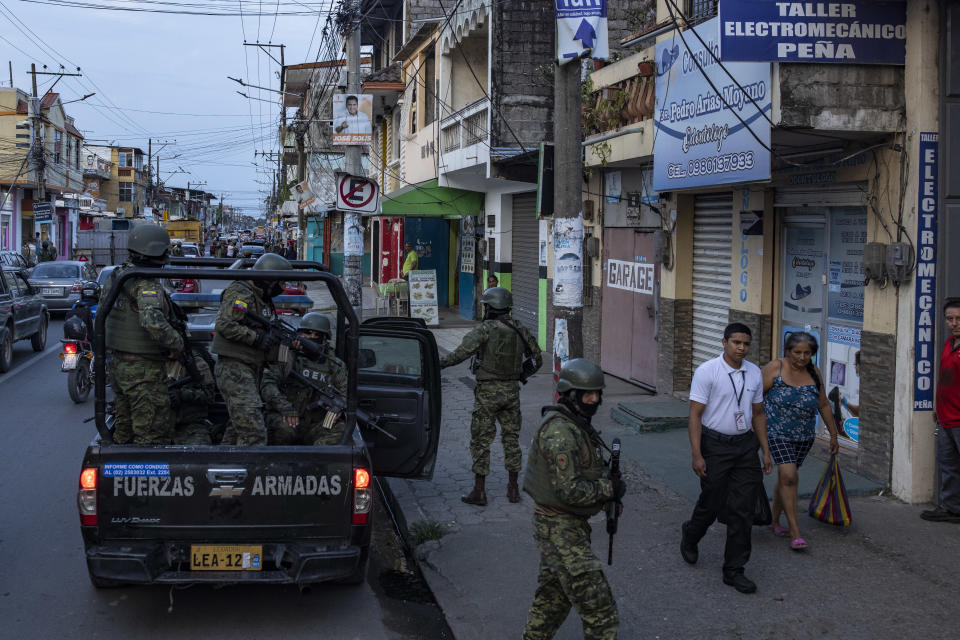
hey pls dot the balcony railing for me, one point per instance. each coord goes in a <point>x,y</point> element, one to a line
<point>466,127</point>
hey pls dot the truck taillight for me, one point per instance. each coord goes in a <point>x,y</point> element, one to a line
<point>361,495</point>
<point>87,496</point>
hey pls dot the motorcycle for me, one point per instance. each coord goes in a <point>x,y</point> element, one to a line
<point>77,355</point>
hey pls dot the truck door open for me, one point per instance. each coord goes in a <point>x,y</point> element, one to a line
<point>399,381</point>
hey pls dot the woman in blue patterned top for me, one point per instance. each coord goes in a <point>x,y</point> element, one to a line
<point>793,394</point>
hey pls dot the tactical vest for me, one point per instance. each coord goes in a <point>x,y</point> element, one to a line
<point>536,480</point>
<point>502,354</point>
<point>239,350</point>
<point>124,332</point>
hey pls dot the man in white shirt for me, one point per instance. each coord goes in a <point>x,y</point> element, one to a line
<point>727,424</point>
<point>355,121</point>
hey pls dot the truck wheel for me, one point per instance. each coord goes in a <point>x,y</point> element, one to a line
<point>360,573</point>
<point>103,583</point>
<point>6,350</point>
<point>79,382</point>
<point>39,340</point>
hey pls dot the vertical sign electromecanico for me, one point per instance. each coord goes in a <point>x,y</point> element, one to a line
<point>926,284</point>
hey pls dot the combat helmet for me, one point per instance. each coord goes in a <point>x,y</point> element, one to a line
<point>272,262</point>
<point>149,240</point>
<point>497,298</point>
<point>580,373</point>
<point>315,321</point>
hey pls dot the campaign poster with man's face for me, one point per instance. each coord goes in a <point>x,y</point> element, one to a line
<point>352,118</point>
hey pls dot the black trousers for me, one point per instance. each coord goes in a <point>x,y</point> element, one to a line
<point>733,479</point>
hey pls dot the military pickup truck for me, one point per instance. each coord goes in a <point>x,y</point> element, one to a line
<point>270,514</point>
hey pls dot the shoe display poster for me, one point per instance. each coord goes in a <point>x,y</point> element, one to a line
<point>804,271</point>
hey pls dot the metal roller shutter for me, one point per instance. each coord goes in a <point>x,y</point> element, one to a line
<point>526,268</point>
<point>827,195</point>
<point>712,233</point>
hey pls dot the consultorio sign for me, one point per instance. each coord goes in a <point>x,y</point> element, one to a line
<point>700,140</point>
<point>842,32</point>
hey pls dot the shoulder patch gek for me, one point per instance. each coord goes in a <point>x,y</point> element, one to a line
<point>240,304</point>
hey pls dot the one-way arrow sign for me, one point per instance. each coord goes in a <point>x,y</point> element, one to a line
<point>581,30</point>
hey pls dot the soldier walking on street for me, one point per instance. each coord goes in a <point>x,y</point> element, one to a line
<point>565,478</point>
<point>142,341</point>
<point>499,347</point>
<point>47,253</point>
<point>242,351</point>
<point>288,418</point>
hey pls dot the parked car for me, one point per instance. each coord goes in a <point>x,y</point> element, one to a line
<point>293,288</point>
<point>15,260</point>
<point>23,315</point>
<point>190,249</point>
<point>256,250</point>
<point>178,285</point>
<point>59,282</point>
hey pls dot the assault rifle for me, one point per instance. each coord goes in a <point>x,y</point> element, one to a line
<point>179,322</point>
<point>331,400</point>
<point>286,334</point>
<point>614,506</point>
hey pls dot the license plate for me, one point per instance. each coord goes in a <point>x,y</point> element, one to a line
<point>51,291</point>
<point>69,361</point>
<point>231,557</point>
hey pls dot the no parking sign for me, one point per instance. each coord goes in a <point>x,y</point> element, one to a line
<point>356,194</point>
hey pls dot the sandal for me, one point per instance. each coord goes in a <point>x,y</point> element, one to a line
<point>780,530</point>
<point>799,544</point>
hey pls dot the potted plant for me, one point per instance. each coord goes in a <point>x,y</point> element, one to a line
<point>646,68</point>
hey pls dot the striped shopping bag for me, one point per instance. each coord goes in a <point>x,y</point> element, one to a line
<point>829,502</point>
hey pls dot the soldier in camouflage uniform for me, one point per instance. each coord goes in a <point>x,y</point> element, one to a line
<point>565,469</point>
<point>243,350</point>
<point>288,419</point>
<point>498,346</point>
<point>190,402</point>
<point>47,253</point>
<point>142,341</point>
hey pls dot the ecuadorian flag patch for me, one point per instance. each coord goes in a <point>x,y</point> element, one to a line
<point>240,304</point>
<point>149,294</point>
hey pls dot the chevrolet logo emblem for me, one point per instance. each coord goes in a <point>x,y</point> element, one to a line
<point>226,491</point>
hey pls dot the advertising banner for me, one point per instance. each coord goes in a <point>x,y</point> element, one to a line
<point>352,118</point>
<point>803,265</point>
<point>848,234</point>
<point>581,30</point>
<point>699,140</point>
<point>924,350</point>
<point>568,262</point>
<point>845,32</point>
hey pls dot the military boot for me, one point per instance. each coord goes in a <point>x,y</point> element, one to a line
<point>513,490</point>
<point>479,494</point>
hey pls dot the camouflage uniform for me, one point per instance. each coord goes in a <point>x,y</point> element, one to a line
<point>499,352</point>
<point>140,338</point>
<point>192,401</point>
<point>240,363</point>
<point>47,253</point>
<point>564,477</point>
<point>285,396</point>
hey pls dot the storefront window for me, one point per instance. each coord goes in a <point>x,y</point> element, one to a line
<point>823,295</point>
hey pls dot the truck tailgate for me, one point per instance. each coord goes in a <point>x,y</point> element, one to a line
<point>223,494</point>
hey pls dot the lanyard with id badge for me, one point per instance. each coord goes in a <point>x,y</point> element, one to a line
<point>739,417</point>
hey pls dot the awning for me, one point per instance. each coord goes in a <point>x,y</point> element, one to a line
<point>428,200</point>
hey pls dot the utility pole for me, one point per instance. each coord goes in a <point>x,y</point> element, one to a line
<point>567,211</point>
<point>352,224</point>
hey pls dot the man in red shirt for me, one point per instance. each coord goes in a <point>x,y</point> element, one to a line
<point>947,405</point>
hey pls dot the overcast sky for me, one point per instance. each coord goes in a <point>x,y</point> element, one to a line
<point>164,77</point>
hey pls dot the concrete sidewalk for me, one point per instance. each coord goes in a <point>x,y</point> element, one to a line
<point>888,575</point>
